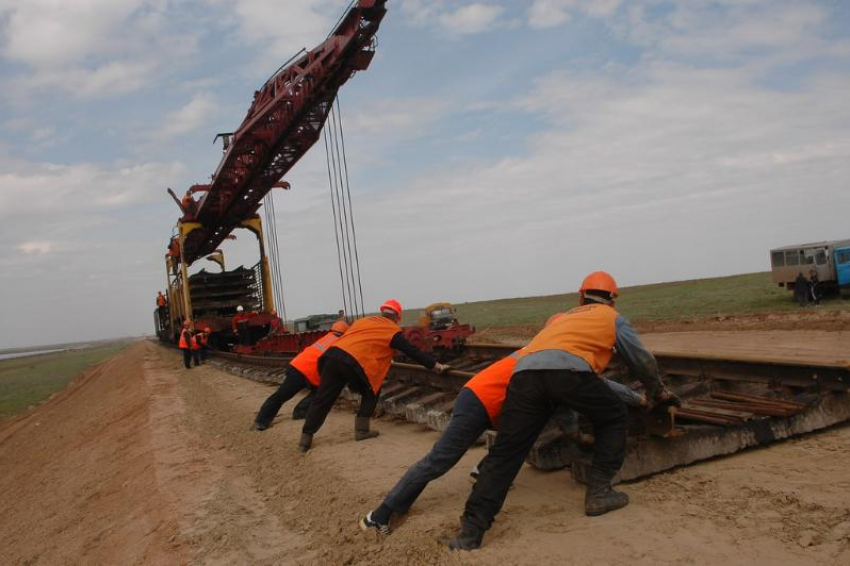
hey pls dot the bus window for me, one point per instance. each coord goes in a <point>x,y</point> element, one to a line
<point>807,257</point>
<point>820,257</point>
<point>842,256</point>
<point>792,257</point>
<point>777,259</point>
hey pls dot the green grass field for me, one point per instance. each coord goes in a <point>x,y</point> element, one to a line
<point>753,293</point>
<point>31,380</point>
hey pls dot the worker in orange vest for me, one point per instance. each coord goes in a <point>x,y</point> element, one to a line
<point>196,348</point>
<point>202,338</point>
<point>240,326</point>
<point>361,359</point>
<point>302,373</point>
<point>561,367</point>
<point>161,302</point>
<point>185,343</point>
<point>476,409</point>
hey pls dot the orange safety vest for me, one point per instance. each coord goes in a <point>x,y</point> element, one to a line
<point>184,344</point>
<point>490,385</point>
<point>160,300</point>
<point>588,331</point>
<point>195,344</point>
<point>368,342</point>
<point>307,362</point>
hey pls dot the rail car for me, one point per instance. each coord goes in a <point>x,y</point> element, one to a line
<point>830,260</point>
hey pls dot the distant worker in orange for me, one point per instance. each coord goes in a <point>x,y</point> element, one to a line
<point>196,348</point>
<point>190,206</point>
<point>161,303</point>
<point>185,343</point>
<point>240,327</point>
<point>203,339</point>
<point>561,367</point>
<point>302,373</point>
<point>361,359</point>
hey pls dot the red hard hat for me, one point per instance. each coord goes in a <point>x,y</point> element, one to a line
<point>599,281</point>
<point>207,330</point>
<point>339,327</point>
<point>392,305</point>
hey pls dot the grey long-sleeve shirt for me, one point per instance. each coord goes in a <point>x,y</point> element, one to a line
<point>640,361</point>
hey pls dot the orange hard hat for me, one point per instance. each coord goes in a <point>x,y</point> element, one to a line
<point>599,281</point>
<point>339,327</point>
<point>392,305</point>
<point>207,330</point>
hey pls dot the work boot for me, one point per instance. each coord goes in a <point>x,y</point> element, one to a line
<point>361,429</point>
<point>306,442</point>
<point>600,497</point>
<point>469,538</point>
<point>259,426</point>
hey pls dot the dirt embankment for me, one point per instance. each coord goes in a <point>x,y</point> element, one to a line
<point>142,461</point>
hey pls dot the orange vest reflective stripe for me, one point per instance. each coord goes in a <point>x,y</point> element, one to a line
<point>307,362</point>
<point>368,342</point>
<point>184,344</point>
<point>588,331</point>
<point>490,385</point>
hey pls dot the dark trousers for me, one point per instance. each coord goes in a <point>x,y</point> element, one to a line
<point>335,376</point>
<point>292,384</point>
<point>469,421</point>
<point>244,333</point>
<point>187,357</point>
<point>204,350</point>
<point>196,357</point>
<point>532,397</point>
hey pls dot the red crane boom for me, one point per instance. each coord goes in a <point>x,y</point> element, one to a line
<point>282,124</point>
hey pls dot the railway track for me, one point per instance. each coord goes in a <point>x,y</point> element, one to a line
<point>729,404</point>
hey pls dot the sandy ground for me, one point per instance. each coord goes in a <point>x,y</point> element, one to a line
<point>143,462</point>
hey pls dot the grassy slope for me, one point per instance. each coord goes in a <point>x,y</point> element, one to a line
<point>30,380</point>
<point>752,293</point>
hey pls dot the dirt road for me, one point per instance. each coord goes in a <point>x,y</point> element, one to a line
<point>143,462</point>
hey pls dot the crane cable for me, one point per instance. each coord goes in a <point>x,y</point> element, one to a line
<point>345,234</point>
<point>273,251</point>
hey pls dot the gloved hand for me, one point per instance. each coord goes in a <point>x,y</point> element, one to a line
<point>667,398</point>
<point>440,368</point>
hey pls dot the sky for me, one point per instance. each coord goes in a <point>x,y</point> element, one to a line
<point>496,148</point>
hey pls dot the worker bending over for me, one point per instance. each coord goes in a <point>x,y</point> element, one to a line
<point>302,373</point>
<point>476,409</point>
<point>361,359</point>
<point>562,367</point>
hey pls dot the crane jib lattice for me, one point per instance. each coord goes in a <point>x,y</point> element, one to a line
<point>282,124</point>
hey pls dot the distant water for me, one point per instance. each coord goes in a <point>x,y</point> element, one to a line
<point>30,353</point>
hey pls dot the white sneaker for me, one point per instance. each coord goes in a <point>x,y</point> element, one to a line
<point>367,523</point>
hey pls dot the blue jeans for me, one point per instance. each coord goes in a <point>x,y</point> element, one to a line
<point>469,421</point>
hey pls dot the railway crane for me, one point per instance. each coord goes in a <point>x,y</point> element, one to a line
<point>283,122</point>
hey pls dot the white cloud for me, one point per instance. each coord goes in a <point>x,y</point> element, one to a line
<point>472,18</point>
<point>91,48</point>
<point>396,117</point>
<point>553,13</point>
<point>36,247</point>
<point>186,119</point>
<point>33,190</point>
<point>280,28</point>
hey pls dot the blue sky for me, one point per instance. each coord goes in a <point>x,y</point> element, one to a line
<point>495,148</point>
